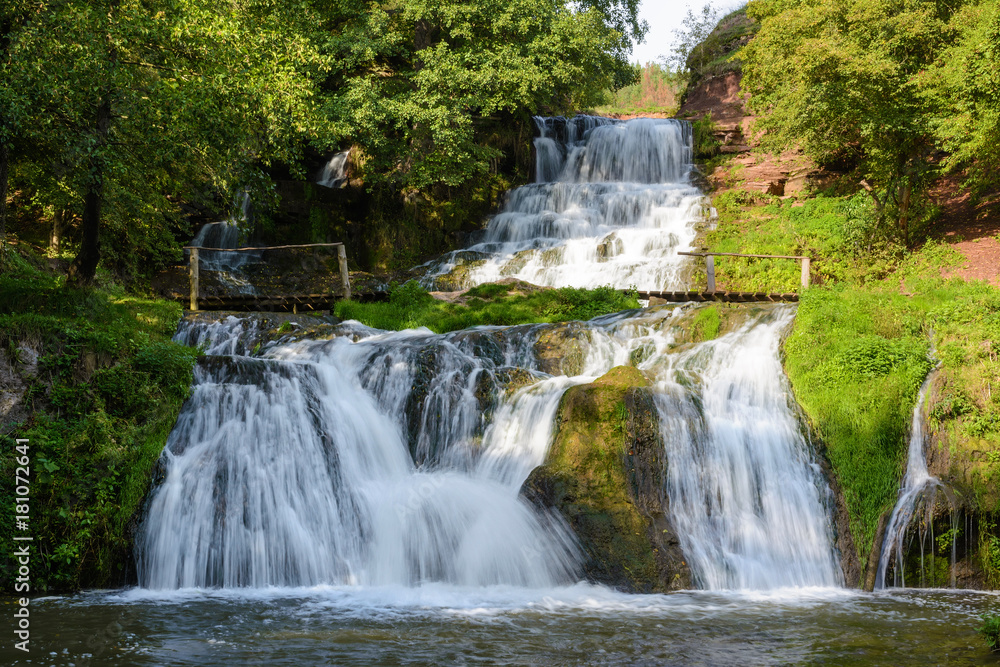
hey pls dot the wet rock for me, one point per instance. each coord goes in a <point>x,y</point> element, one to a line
<point>562,348</point>
<point>458,278</point>
<point>604,476</point>
<point>610,246</point>
<point>17,372</point>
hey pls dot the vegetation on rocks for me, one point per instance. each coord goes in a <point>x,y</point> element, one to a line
<point>93,381</point>
<point>603,475</point>
<point>507,303</point>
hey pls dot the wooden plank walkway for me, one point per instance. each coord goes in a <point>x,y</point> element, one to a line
<point>734,297</point>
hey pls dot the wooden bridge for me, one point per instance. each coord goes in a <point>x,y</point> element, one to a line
<point>318,302</point>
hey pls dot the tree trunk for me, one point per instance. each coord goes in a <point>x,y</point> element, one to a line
<point>82,270</point>
<point>58,223</point>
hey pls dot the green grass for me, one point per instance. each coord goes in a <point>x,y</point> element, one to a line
<point>109,386</point>
<point>815,229</point>
<point>856,359</point>
<point>409,306</point>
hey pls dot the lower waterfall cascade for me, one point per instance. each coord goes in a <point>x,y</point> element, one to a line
<point>396,459</point>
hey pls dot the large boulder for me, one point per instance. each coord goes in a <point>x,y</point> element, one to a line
<point>604,476</point>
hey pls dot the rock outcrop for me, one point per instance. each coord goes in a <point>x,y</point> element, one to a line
<point>604,476</point>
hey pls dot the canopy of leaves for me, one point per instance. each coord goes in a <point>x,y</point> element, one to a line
<point>411,82</point>
<point>882,86</point>
<point>127,108</point>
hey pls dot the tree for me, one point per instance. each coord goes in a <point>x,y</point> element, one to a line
<point>689,49</point>
<point>963,88</point>
<point>140,99</point>
<point>410,84</point>
<point>13,15</point>
<point>844,77</point>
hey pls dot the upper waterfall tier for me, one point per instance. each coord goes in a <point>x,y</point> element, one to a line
<point>612,205</point>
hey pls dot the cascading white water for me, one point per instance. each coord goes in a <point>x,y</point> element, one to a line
<point>227,265</point>
<point>612,205</point>
<point>334,173</point>
<point>745,494</point>
<point>396,459</point>
<point>918,492</point>
<point>319,486</point>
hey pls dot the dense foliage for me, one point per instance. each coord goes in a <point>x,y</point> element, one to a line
<point>409,306</point>
<point>103,386</point>
<point>881,87</point>
<point>118,116</point>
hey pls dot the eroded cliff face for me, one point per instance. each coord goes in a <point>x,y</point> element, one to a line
<point>604,476</point>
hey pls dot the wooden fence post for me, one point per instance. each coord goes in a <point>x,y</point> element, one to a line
<point>710,270</point>
<point>345,279</point>
<point>194,279</point>
<point>805,272</point>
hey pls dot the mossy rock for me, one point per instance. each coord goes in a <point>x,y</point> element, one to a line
<point>604,475</point>
<point>562,348</point>
<point>458,278</point>
<point>712,321</point>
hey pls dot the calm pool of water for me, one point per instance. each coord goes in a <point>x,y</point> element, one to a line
<point>442,625</point>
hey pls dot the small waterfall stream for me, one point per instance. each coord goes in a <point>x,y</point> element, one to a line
<point>917,497</point>
<point>227,266</point>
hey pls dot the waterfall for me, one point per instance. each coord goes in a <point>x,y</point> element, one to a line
<point>750,505</point>
<point>917,496</point>
<point>612,205</point>
<point>382,458</point>
<point>395,458</point>
<point>285,470</point>
<point>227,266</point>
<point>334,173</point>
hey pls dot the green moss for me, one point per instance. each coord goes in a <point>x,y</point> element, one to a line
<point>706,324</point>
<point>586,474</point>
<point>108,387</point>
<point>410,306</point>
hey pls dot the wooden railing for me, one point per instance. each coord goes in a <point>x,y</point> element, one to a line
<point>710,264</point>
<point>345,279</point>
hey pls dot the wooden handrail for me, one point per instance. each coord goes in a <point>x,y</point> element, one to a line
<point>737,254</point>
<point>710,264</point>
<point>270,247</point>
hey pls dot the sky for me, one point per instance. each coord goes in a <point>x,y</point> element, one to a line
<point>665,16</point>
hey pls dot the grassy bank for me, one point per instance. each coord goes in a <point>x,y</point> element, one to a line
<point>100,386</point>
<point>858,351</point>
<point>410,306</point>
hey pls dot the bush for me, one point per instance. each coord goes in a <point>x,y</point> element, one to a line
<point>410,307</point>
<point>109,389</point>
<point>990,630</point>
